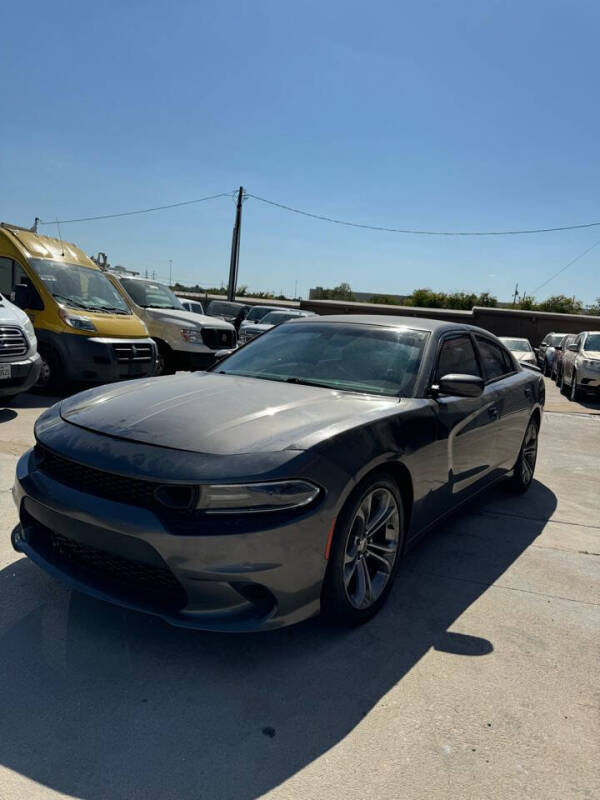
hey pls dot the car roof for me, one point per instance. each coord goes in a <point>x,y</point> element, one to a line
<point>437,326</point>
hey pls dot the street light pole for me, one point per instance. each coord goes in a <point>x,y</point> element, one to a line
<point>170,272</point>
<point>234,261</point>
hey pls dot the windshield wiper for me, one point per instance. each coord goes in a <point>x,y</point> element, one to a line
<point>70,301</point>
<point>114,309</point>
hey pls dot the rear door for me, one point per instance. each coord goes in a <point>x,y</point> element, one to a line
<point>513,399</point>
<point>467,424</point>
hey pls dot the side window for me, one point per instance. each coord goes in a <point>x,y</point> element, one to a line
<point>457,355</point>
<point>20,276</point>
<point>495,361</point>
<point>6,276</point>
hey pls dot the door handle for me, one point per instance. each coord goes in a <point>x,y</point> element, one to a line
<point>493,411</point>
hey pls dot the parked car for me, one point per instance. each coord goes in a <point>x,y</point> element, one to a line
<point>230,311</point>
<point>255,315</point>
<point>193,305</point>
<point>546,351</point>
<point>581,365</point>
<point>86,332</point>
<point>290,478</point>
<point>559,352</point>
<point>521,349</point>
<point>270,320</point>
<point>185,340</point>
<point>20,362</point>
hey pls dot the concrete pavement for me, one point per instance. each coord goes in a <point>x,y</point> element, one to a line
<point>479,679</point>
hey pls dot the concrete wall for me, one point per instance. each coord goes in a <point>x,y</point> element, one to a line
<point>532,325</point>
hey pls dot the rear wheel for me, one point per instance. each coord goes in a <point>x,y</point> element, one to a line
<point>366,551</point>
<point>525,466</point>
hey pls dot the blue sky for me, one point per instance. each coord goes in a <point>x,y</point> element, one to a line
<point>439,115</point>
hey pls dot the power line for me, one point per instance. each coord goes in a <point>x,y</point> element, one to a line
<point>562,269</point>
<point>420,232</point>
<point>140,211</point>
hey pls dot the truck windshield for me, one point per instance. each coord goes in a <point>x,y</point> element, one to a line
<point>79,287</point>
<point>149,294</point>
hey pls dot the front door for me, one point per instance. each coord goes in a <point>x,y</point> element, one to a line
<point>467,425</point>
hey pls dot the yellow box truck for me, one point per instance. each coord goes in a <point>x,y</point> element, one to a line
<point>85,330</point>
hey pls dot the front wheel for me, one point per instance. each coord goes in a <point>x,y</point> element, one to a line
<point>575,395</point>
<point>52,373</point>
<point>525,466</point>
<point>365,553</point>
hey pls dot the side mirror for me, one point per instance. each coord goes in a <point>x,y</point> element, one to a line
<point>22,296</point>
<point>459,385</point>
<point>574,348</point>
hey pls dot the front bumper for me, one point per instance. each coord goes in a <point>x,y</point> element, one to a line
<point>97,359</point>
<point>589,377</point>
<point>24,374</point>
<point>211,578</point>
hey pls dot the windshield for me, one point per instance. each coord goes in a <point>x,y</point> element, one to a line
<point>231,309</point>
<point>356,358</point>
<point>518,345</point>
<point>148,294</point>
<point>275,317</point>
<point>556,339</point>
<point>257,313</point>
<point>79,287</point>
<point>592,342</point>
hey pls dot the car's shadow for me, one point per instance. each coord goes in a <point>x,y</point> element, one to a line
<point>99,702</point>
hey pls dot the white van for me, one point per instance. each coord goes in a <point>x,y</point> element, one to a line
<point>20,362</point>
<point>185,340</point>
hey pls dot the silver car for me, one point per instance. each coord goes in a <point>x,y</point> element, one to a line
<point>521,349</point>
<point>581,365</point>
<point>269,321</point>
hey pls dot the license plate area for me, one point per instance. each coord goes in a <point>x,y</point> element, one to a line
<point>5,372</point>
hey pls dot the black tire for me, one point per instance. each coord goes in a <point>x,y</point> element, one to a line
<point>563,384</point>
<point>165,364</point>
<point>339,602</point>
<point>52,374</point>
<point>575,393</point>
<point>524,469</point>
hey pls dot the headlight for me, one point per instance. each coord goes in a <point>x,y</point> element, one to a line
<point>191,335</point>
<point>28,327</point>
<point>252,497</point>
<point>76,321</point>
<point>590,362</point>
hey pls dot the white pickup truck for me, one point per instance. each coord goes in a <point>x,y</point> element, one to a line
<point>20,362</point>
<point>185,340</point>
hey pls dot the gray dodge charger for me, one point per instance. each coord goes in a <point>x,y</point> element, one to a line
<point>288,480</point>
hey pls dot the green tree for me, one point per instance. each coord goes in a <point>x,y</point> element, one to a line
<point>341,292</point>
<point>594,308</point>
<point>383,299</point>
<point>561,304</point>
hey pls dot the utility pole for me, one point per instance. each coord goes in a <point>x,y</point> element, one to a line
<point>516,294</point>
<point>170,272</point>
<point>235,248</point>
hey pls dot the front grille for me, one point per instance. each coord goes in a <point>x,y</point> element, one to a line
<point>12,342</point>
<point>133,491</point>
<point>130,352</point>
<point>218,339</point>
<point>109,572</point>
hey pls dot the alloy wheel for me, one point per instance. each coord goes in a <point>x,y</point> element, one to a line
<point>529,457</point>
<point>371,548</point>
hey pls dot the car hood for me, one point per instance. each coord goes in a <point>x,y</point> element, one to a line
<point>188,319</point>
<point>221,414</point>
<point>591,354</point>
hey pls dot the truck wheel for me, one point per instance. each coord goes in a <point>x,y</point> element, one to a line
<point>165,364</point>
<point>52,373</point>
